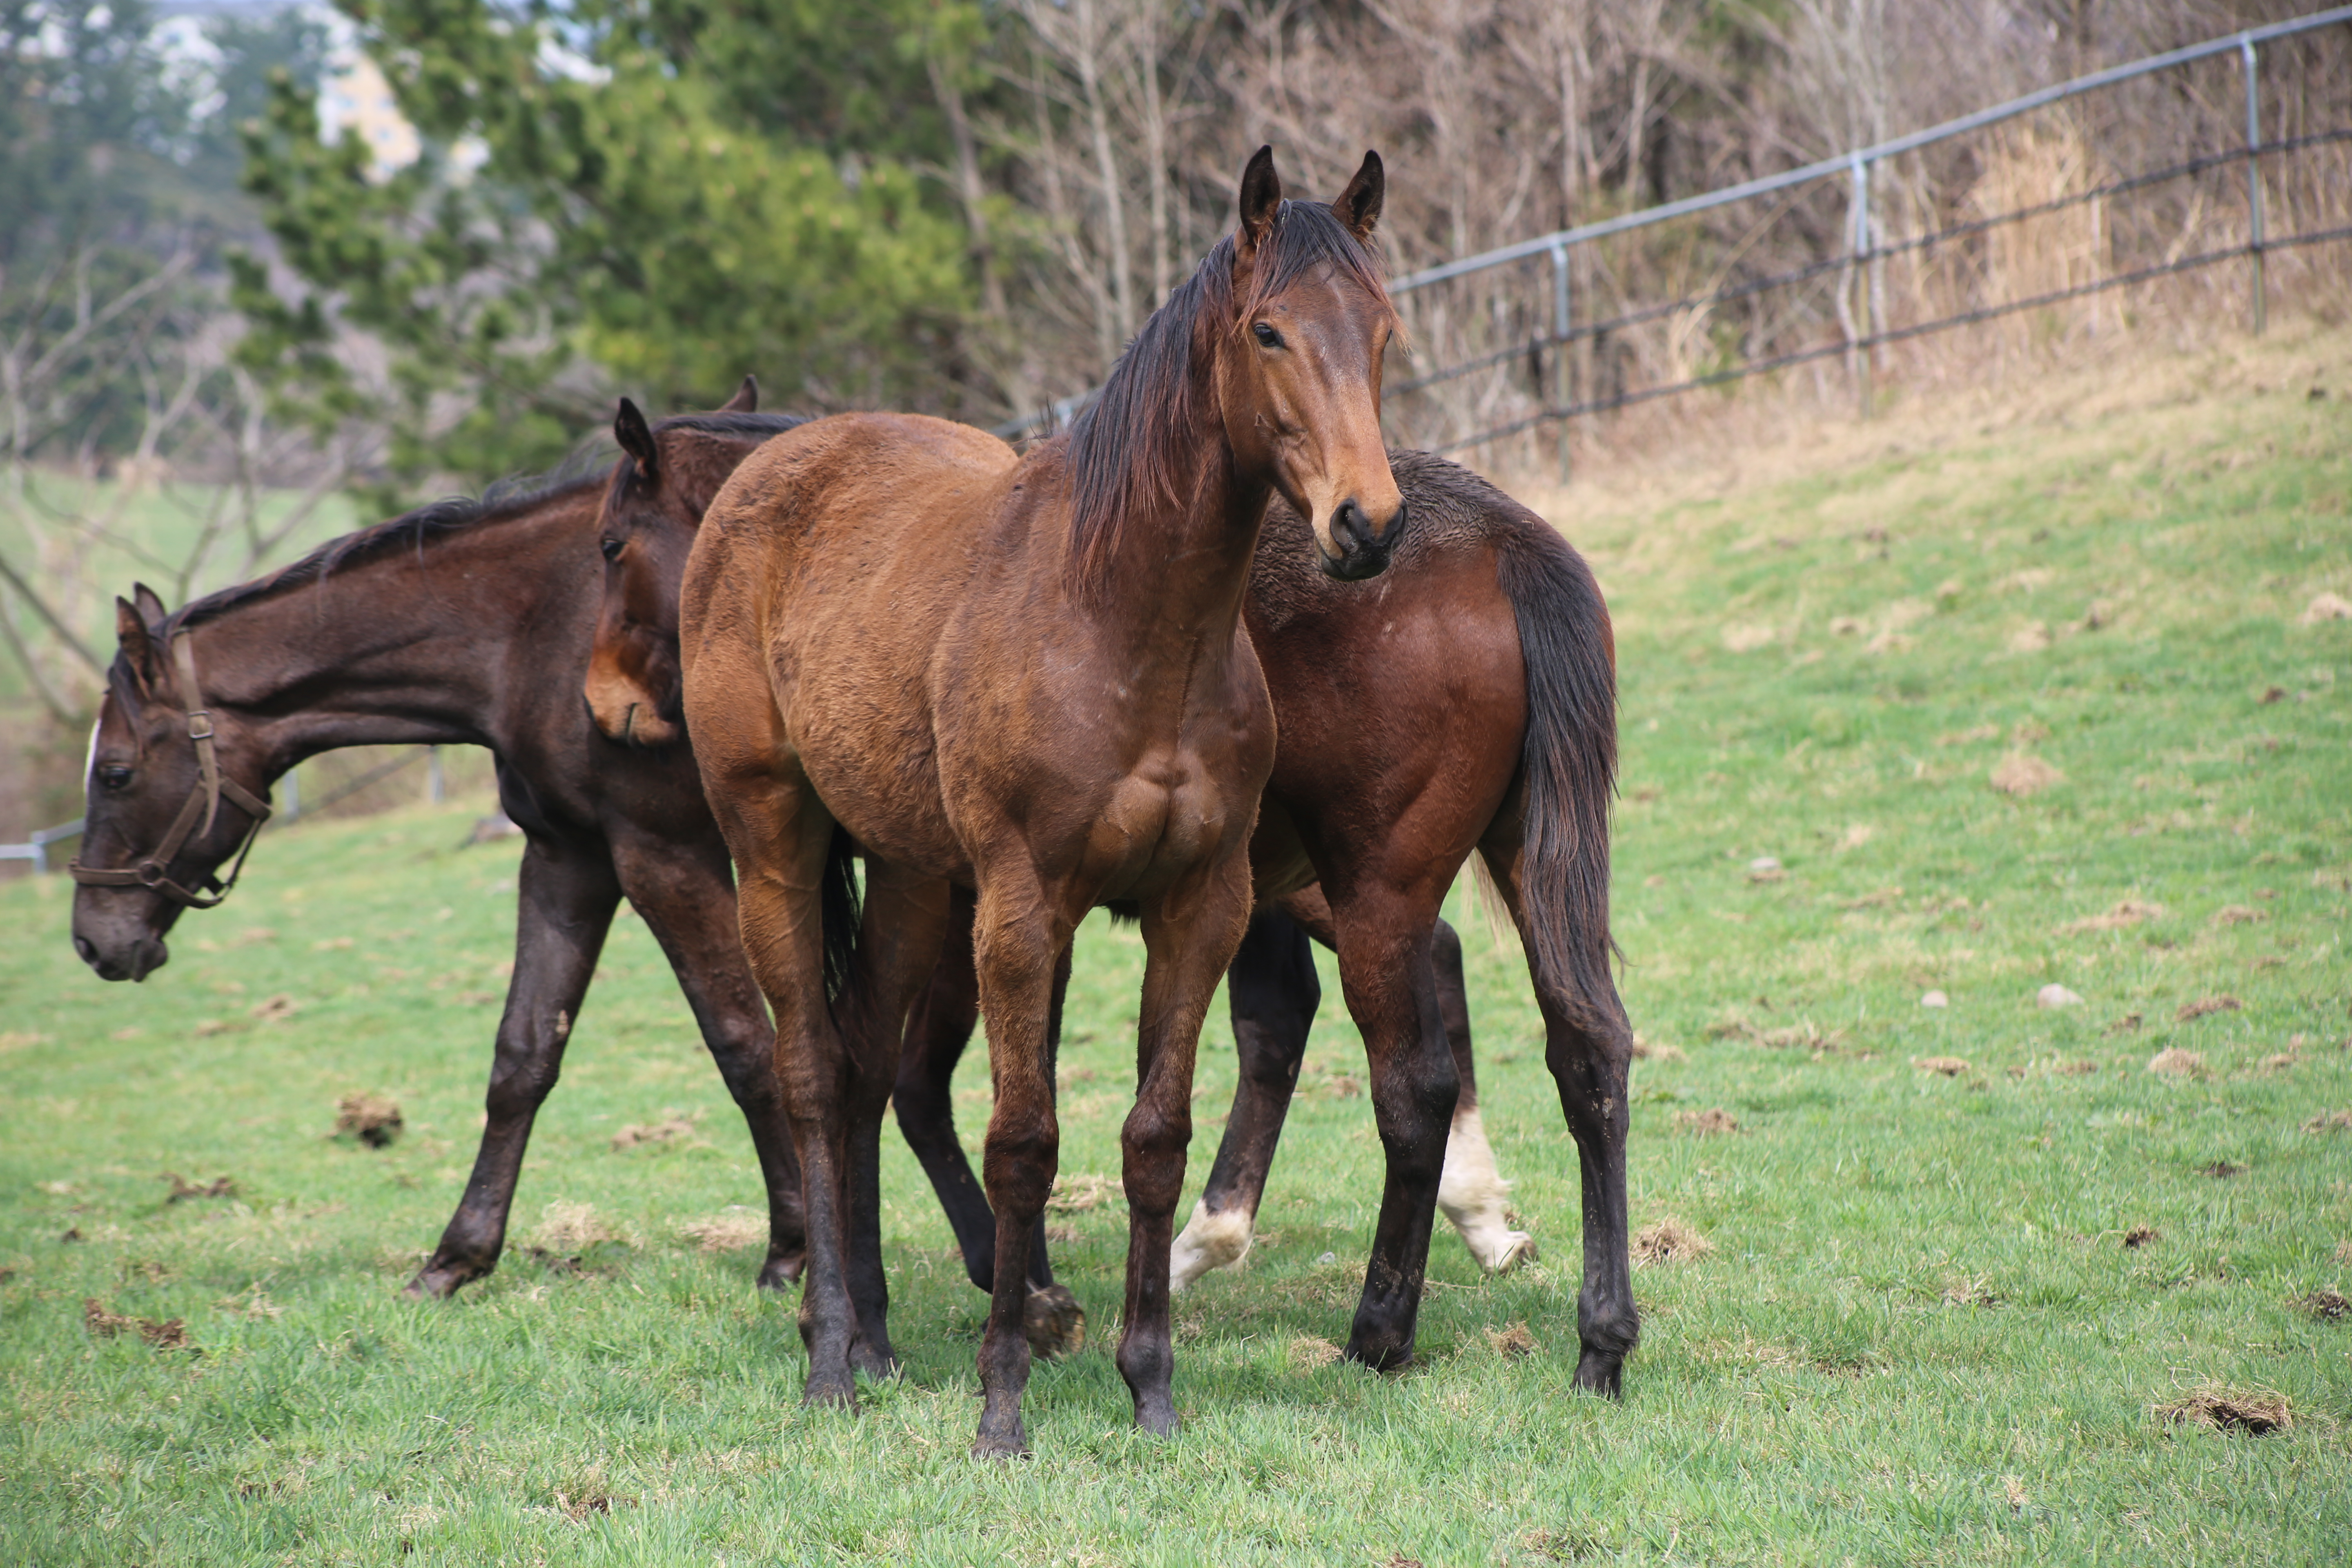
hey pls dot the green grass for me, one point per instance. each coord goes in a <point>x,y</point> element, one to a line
<point>1919,1336</point>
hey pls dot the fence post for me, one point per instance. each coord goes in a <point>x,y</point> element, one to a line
<point>1560,350</point>
<point>293,809</point>
<point>435,785</point>
<point>1860,274</point>
<point>2253,176</point>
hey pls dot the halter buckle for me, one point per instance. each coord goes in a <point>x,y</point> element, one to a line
<point>200,725</point>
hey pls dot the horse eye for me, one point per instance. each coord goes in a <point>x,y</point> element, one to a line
<point>611,549</point>
<point>1267,336</point>
<point>114,777</point>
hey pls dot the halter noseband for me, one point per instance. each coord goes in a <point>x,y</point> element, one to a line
<point>203,801</point>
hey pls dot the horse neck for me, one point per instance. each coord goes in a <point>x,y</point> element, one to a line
<point>1180,571</point>
<point>410,646</point>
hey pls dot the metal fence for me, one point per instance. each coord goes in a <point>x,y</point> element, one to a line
<point>1518,358</point>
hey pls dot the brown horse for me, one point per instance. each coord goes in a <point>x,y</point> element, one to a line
<point>1028,677</point>
<point>465,623</point>
<point>1495,706</point>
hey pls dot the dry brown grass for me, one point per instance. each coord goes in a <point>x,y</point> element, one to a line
<point>2174,1062</point>
<point>2204,1005</point>
<point>1512,1342</point>
<point>726,1232</point>
<point>1705,1124</point>
<point>1951,1067</point>
<point>1075,1194</point>
<point>2021,773</point>
<point>1308,1353</point>
<point>171,1335</point>
<point>2128,913</point>
<point>668,1130</point>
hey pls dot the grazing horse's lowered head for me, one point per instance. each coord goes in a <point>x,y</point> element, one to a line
<point>1282,333</point>
<point>166,805</point>
<point>667,473</point>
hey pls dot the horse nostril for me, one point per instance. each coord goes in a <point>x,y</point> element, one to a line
<point>1348,525</point>
<point>1395,528</point>
<point>83,948</point>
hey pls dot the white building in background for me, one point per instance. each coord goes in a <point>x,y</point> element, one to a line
<point>356,100</point>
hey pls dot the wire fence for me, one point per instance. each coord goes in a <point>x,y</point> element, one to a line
<point>2012,213</point>
<point>1798,266</point>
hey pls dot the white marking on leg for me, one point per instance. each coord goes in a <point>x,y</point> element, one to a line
<point>1210,1241</point>
<point>1471,1194</point>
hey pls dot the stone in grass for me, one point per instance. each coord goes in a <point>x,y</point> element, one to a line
<point>2258,1411</point>
<point>2056,996</point>
<point>2174,1062</point>
<point>1935,999</point>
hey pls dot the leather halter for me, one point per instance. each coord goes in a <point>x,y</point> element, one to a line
<point>203,801</point>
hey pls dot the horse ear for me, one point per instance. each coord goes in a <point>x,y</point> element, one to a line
<point>636,438</point>
<point>746,399</point>
<point>1261,194</point>
<point>1359,206</point>
<point>149,604</point>
<point>138,645</point>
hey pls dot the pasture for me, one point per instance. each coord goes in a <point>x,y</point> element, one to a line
<point>1928,1284</point>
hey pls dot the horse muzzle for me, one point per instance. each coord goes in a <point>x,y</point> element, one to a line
<point>134,959</point>
<point>1358,549</point>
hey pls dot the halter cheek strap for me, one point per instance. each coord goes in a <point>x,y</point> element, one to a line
<point>202,802</point>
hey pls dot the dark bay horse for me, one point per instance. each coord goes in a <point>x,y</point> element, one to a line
<point>463,623</point>
<point>1027,677</point>
<point>1479,698</point>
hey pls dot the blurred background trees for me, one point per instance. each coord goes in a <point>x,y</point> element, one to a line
<point>267,269</point>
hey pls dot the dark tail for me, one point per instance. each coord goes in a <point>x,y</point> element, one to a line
<point>1570,763</point>
<point>837,911</point>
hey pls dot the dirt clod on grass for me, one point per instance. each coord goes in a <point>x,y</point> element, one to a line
<point>2141,1235</point>
<point>1705,1124</point>
<point>274,1009</point>
<point>2127,1025</point>
<point>1512,1342</point>
<point>2330,1122</point>
<point>2128,913</point>
<point>2255,1411</point>
<point>570,1227</point>
<point>2237,915</point>
<point>2219,1170</point>
<point>1660,1052</point>
<point>1308,1353</point>
<point>726,1232</point>
<point>183,1189</point>
<point>171,1335</point>
<point>671,1128</point>
<point>2021,773</point>
<point>2325,607</point>
<point>2328,1305</point>
<point>2174,1062</point>
<point>1951,1067</point>
<point>372,1119</point>
<point>2204,1005</point>
<point>1670,1241</point>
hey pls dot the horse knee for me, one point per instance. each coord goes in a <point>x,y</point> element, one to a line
<point>1018,1157</point>
<point>1153,1142</point>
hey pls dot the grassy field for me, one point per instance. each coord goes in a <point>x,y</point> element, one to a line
<point>1933,1298</point>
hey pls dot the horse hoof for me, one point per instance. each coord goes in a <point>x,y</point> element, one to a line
<point>783,1272</point>
<point>1378,1355</point>
<point>1054,1323</point>
<point>1602,1373</point>
<point>1157,1418</point>
<point>834,1392</point>
<point>880,1366</point>
<point>433,1284</point>
<point>1012,1444</point>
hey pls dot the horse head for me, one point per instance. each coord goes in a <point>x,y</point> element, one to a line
<point>165,809</point>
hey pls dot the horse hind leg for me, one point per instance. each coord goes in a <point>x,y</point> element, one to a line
<point>565,907</point>
<point>1273,993</point>
<point>1588,1046</point>
<point>1472,1193</point>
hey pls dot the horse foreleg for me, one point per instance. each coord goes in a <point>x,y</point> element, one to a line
<point>1391,986</point>
<point>1190,941</point>
<point>1472,1193</point>
<point>1272,992</point>
<point>687,902</point>
<point>1017,955</point>
<point>564,909</point>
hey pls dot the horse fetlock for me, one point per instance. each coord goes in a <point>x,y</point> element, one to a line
<point>1210,1241</point>
<point>784,1268</point>
<point>1607,1326</point>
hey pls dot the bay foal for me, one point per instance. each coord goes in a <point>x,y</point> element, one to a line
<point>1453,703</point>
<point>1027,676</point>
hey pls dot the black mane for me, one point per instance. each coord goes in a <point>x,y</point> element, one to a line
<point>731,423</point>
<point>503,501</point>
